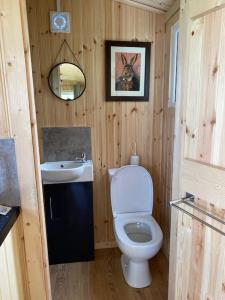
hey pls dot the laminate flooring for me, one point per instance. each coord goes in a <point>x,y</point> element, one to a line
<point>102,279</point>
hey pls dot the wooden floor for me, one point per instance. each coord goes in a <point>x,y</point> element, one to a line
<point>102,279</point>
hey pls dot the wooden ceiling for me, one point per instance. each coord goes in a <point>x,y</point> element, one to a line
<point>162,5</point>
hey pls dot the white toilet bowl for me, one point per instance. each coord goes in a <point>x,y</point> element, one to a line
<point>138,235</point>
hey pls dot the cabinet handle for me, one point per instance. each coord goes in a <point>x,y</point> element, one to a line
<point>51,213</point>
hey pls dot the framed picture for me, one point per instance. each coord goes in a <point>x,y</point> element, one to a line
<point>127,71</point>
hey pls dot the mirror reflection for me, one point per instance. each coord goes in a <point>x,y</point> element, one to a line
<point>67,81</point>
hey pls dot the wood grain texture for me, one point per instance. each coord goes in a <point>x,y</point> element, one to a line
<point>143,5</point>
<point>103,279</point>
<point>173,10</point>
<point>203,7</point>
<point>13,283</point>
<point>114,125</point>
<point>160,5</point>
<point>197,255</point>
<point>25,254</point>
<point>167,142</point>
<point>158,115</point>
<point>205,128</point>
<point>178,144</point>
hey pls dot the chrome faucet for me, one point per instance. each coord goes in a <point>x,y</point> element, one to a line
<point>83,157</point>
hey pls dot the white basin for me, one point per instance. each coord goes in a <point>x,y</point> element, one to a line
<point>62,171</point>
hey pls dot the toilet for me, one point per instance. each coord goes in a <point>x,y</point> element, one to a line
<point>137,234</point>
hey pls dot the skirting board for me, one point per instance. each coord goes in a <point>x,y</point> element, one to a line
<point>105,245</point>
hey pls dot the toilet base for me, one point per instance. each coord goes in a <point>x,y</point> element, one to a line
<point>136,274</point>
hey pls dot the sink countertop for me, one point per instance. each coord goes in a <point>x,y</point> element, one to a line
<point>7,222</point>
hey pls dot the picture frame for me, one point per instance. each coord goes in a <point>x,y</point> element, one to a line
<point>127,70</point>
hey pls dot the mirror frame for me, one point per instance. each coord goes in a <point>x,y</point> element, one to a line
<point>49,84</point>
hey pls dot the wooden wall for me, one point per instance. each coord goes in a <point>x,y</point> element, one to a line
<point>114,125</point>
<point>167,137</point>
<point>13,283</point>
<point>23,255</point>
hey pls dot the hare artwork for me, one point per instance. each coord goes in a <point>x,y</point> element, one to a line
<point>128,80</point>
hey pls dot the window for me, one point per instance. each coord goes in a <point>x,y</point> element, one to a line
<point>174,43</point>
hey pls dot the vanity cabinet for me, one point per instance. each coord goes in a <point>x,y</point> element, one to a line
<point>69,222</point>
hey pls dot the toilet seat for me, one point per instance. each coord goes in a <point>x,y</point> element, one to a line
<point>131,191</point>
<point>119,225</point>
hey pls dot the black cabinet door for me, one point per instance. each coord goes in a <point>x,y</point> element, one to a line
<point>69,222</point>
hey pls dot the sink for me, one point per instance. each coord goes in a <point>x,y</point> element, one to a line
<point>62,171</point>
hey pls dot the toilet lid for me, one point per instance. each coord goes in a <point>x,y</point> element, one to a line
<point>131,190</point>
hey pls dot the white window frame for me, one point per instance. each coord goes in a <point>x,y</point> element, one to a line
<point>174,43</point>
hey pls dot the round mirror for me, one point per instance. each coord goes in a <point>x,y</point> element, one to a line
<point>67,81</point>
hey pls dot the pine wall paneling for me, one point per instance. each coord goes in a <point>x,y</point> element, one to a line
<point>23,255</point>
<point>114,125</point>
<point>197,252</point>
<point>167,142</point>
<point>13,283</point>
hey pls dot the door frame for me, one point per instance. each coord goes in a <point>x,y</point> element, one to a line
<point>19,115</point>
